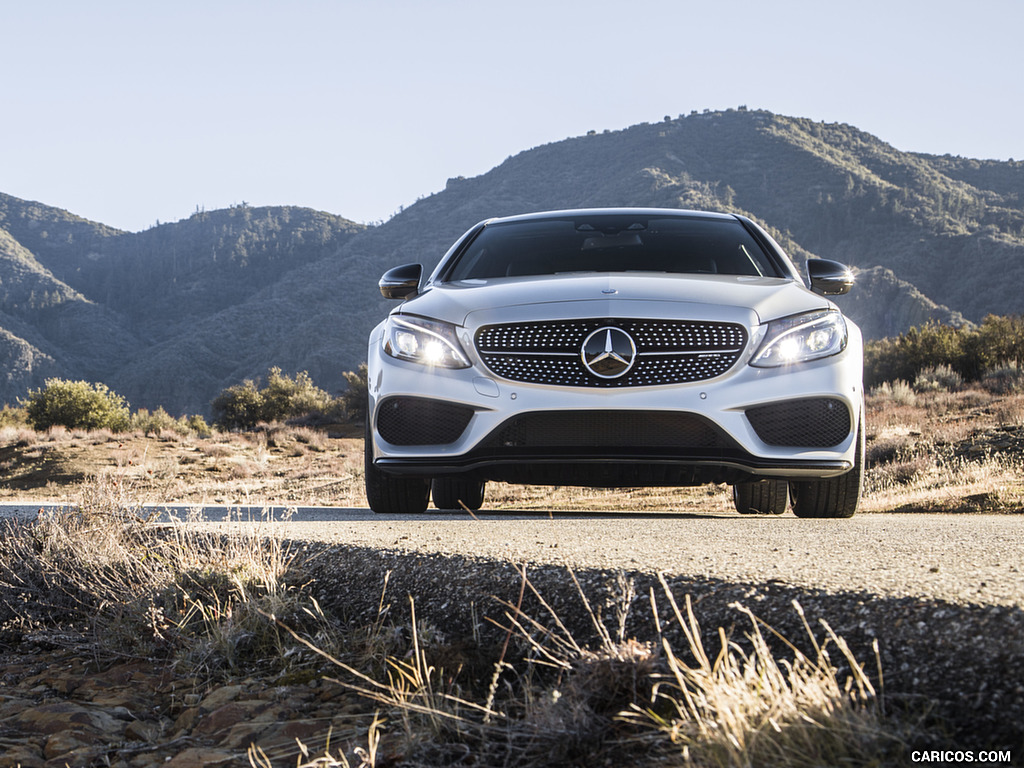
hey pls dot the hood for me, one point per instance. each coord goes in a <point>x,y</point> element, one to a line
<point>751,300</point>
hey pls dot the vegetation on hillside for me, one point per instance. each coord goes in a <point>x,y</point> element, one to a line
<point>76,405</point>
<point>82,405</point>
<point>226,295</point>
<point>245,405</point>
<point>90,299</point>
<point>992,352</point>
<point>212,260</point>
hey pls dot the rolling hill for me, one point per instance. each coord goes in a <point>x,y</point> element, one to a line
<point>172,315</point>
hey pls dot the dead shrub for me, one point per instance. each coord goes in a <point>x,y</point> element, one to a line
<point>216,450</point>
<point>898,472</point>
<point>890,448</point>
<point>18,436</point>
<point>899,392</point>
<point>1009,411</point>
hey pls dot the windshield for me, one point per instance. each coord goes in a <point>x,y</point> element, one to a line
<point>612,243</point>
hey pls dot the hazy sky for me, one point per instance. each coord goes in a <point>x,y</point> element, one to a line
<point>132,112</point>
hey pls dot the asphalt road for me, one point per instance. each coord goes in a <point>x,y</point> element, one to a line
<point>959,558</point>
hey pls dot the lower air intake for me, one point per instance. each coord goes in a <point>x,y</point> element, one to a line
<point>815,423</point>
<point>421,421</point>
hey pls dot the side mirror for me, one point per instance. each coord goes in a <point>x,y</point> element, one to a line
<point>829,278</point>
<point>401,282</point>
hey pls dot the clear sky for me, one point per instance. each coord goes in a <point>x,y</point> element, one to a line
<point>129,112</point>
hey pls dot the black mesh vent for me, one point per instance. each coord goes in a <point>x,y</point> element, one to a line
<point>420,421</point>
<point>817,423</point>
<point>668,351</point>
<point>607,430</point>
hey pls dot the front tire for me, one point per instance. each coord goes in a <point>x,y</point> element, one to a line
<point>448,492</point>
<point>765,497</point>
<point>387,494</point>
<point>832,497</point>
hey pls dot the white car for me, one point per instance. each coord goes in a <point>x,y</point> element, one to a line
<point>616,348</point>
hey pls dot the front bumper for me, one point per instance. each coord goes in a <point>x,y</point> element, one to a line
<point>620,437</point>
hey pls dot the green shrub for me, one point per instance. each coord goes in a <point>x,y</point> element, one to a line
<point>161,422</point>
<point>920,348</point>
<point>285,398</point>
<point>198,426</point>
<point>13,417</point>
<point>76,405</point>
<point>154,423</point>
<point>353,399</point>
<point>245,405</point>
<point>239,406</point>
<point>968,352</point>
<point>1000,342</point>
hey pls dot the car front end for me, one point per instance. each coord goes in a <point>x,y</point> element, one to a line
<point>615,377</point>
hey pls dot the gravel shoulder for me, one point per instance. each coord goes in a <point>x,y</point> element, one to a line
<point>965,559</point>
<point>940,596</point>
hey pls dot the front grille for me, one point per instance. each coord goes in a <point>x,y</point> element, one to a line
<point>421,421</point>
<point>606,430</point>
<point>814,423</point>
<point>667,351</point>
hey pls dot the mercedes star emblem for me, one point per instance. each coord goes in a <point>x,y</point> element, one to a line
<point>608,352</point>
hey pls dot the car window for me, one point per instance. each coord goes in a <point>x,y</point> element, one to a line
<point>612,243</point>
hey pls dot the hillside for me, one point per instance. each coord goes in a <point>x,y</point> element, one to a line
<point>192,307</point>
<point>80,300</point>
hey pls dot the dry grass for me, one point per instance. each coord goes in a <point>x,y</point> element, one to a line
<point>945,452</point>
<point>623,702</point>
<point>102,565</point>
<point>927,451</point>
<point>279,466</point>
<point>101,573</point>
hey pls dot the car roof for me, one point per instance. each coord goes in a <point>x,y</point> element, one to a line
<point>561,214</point>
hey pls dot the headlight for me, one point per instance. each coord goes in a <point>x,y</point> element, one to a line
<point>423,341</point>
<point>801,338</point>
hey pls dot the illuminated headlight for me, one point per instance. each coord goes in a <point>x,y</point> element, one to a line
<point>424,341</point>
<point>801,338</point>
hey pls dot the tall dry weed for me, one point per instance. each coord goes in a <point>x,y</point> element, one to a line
<point>107,569</point>
<point>623,702</point>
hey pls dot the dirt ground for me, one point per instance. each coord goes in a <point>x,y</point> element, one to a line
<point>928,452</point>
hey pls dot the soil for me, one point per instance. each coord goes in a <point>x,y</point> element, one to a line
<point>944,452</point>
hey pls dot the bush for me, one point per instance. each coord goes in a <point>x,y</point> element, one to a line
<point>1000,342</point>
<point>285,398</point>
<point>76,405</point>
<point>239,406</point>
<point>897,392</point>
<point>157,422</point>
<point>907,355</point>
<point>13,417</point>
<point>161,422</point>
<point>353,399</point>
<point>198,426</point>
<point>245,405</point>
<point>938,378</point>
<point>968,352</point>
<point>1004,380</point>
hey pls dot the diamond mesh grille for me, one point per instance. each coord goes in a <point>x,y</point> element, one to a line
<point>420,421</point>
<point>668,351</point>
<point>815,423</point>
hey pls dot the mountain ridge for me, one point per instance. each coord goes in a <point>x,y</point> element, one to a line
<point>172,315</point>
